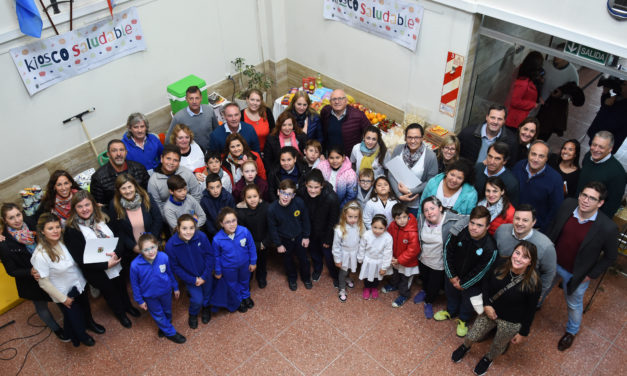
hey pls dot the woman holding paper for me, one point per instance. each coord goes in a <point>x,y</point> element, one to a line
<point>85,225</point>
<point>410,166</point>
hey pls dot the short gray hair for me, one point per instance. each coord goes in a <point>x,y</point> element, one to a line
<point>135,118</point>
<point>606,135</point>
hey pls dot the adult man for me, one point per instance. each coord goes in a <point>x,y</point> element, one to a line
<point>476,140</point>
<point>200,118</point>
<point>586,244</point>
<point>494,165</point>
<point>509,235</point>
<point>103,180</point>
<point>599,165</point>
<point>233,124</point>
<point>342,125</point>
<point>142,147</point>
<point>540,185</point>
<point>170,165</point>
<point>613,112</point>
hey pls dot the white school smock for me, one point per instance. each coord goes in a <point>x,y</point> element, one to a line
<point>345,247</point>
<point>375,253</point>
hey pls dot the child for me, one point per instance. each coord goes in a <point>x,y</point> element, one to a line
<point>338,171</point>
<point>192,258</point>
<point>366,177</point>
<point>249,176</point>
<point>181,203</point>
<point>213,160</point>
<point>213,200</point>
<point>404,231</point>
<point>313,150</point>
<point>375,254</point>
<point>382,202</point>
<point>346,245</point>
<point>252,213</point>
<point>290,167</point>
<point>236,258</point>
<point>289,228</point>
<point>152,282</point>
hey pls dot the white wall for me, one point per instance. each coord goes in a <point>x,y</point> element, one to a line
<point>377,66</point>
<point>199,37</point>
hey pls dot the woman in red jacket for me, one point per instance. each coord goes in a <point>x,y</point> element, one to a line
<point>404,231</point>
<point>497,203</point>
<point>524,93</point>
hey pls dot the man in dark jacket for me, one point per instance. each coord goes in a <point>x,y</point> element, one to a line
<point>342,125</point>
<point>586,243</point>
<point>103,180</point>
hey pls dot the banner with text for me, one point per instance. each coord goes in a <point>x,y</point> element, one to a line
<point>396,20</point>
<point>46,62</point>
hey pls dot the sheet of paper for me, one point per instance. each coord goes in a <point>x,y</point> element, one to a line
<point>96,249</point>
<point>397,167</point>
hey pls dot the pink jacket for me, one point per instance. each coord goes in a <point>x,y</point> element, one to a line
<point>346,180</point>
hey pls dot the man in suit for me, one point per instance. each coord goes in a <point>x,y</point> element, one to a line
<point>586,245</point>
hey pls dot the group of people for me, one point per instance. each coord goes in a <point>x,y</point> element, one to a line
<point>493,219</point>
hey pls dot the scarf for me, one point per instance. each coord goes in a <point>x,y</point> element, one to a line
<point>62,206</point>
<point>91,223</point>
<point>369,155</point>
<point>133,204</point>
<point>495,210</point>
<point>24,236</point>
<point>292,137</point>
<point>300,118</point>
<point>409,158</point>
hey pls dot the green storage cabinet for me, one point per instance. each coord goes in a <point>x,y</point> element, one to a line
<point>176,92</point>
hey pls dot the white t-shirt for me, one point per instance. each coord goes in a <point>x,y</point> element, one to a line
<point>447,202</point>
<point>63,274</point>
<point>195,159</point>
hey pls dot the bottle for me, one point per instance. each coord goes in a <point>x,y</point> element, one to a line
<point>319,81</point>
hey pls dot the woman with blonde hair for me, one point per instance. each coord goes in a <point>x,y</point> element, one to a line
<point>192,155</point>
<point>448,152</point>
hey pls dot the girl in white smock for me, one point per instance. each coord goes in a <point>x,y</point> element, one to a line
<point>346,245</point>
<point>375,254</point>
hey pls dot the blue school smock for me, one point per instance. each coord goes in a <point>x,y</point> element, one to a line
<point>152,280</point>
<point>191,259</point>
<point>234,253</point>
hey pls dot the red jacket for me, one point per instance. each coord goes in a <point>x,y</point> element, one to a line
<point>406,245</point>
<point>523,99</point>
<point>509,218</point>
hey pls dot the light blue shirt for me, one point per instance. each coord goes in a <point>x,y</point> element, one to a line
<point>529,174</point>
<point>585,220</point>
<point>529,235</point>
<point>228,130</point>
<point>486,142</point>
<point>191,113</point>
<point>497,174</point>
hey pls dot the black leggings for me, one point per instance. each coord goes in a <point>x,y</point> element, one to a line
<point>432,281</point>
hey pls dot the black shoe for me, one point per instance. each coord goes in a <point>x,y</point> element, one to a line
<point>193,321</point>
<point>308,285</point>
<point>293,285</point>
<point>336,284</point>
<point>459,353</point>
<point>95,327</point>
<point>61,336</point>
<point>89,341</point>
<point>243,307</point>
<point>205,315</point>
<point>133,311</point>
<point>177,338</point>
<point>249,303</point>
<point>76,342</point>
<point>125,321</point>
<point>262,284</point>
<point>160,333</point>
<point>482,367</point>
<point>316,276</point>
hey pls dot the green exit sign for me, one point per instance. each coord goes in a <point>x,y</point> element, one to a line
<point>586,52</point>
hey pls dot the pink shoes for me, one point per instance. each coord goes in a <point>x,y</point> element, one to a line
<point>366,294</point>
<point>370,293</point>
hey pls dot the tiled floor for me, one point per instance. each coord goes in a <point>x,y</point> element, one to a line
<point>311,332</point>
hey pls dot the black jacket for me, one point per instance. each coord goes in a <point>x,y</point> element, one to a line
<point>274,178</point>
<point>324,212</point>
<point>598,250</point>
<point>469,259</point>
<point>16,260</point>
<point>273,146</point>
<point>470,140</point>
<point>103,180</point>
<point>256,221</point>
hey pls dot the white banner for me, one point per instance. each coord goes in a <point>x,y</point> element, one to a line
<point>46,62</point>
<point>396,20</point>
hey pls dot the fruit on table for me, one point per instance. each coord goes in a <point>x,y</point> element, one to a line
<point>386,124</point>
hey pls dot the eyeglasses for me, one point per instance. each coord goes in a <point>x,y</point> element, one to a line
<point>584,196</point>
<point>230,221</point>
<point>449,148</point>
<point>340,99</point>
<point>287,194</point>
<point>151,248</point>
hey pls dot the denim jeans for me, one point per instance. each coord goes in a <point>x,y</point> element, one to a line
<point>574,301</point>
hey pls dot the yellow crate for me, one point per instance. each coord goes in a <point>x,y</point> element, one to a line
<point>8,291</point>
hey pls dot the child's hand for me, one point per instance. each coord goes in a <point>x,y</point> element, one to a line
<point>199,281</point>
<point>338,265</point>
<point>177,293</point>
<point>394,262</point>
<point>382,272</point>
<point>200,176</point>
<point>144,306</point>
<point>325,245</point>
<point>218,276</point>
<point>281,249</point>
<point>252,268</point>
<point>305,242</point>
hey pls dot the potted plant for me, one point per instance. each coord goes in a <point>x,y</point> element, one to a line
<point>249,78</point>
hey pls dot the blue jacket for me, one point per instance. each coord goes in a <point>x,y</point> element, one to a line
<point>291,221</point>
<point>191,259</point>
<point>152,280</point>
<point>217,140</point>
<point>212,207</point>
<point>236,252</point>
<point>149,156</point>
<point>544,191</point>
<point>466,201</point>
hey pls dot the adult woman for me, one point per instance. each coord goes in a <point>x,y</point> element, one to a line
<point>87,222</point>
<point>454,188</point>
<point>510,292</point>
<point>419,160</point>
<point>58,196</point>
<point>306,117</point>
<point>567,164</point>
<point>497,203</point>
<point>60,277</point>
<point>524,93</point>
<point>132,212</point>
<point>448,152</point>
<point>141,146</point>
<point>15,252</point>
<point>371,152</point>
<point>436,227</point>
<point>258,115</point>
<point>192,156</point>
<point>527,133</point>
<point>236,152</point>
<point>286,133</point>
